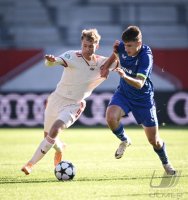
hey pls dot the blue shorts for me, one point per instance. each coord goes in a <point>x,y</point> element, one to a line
<point>144,114</point>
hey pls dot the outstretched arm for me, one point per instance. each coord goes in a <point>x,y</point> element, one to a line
<point>105,68</point>
<point>51,60</point>
<point>137,82</point>
<point>111,59</point>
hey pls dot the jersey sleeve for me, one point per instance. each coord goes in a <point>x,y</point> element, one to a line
<point>121,47</point>
<point>67,58</point>
<point>145,65</point>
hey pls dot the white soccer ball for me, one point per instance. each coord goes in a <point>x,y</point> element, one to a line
<point>65,171</point>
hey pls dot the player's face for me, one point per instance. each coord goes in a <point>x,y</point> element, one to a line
<point>88,48</point>
<point>132,48</point>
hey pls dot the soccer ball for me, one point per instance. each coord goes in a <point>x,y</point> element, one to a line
<point>65,171</point>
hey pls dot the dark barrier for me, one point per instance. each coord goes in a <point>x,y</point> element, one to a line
<point>172,108</point>
<point>26,109</point>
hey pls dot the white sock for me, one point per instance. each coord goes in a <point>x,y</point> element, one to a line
<point>58,145</point>
<point>42,149</point>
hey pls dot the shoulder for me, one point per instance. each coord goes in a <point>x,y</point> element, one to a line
<point>121,46</point>
<point>100,57</point>
<point>121,49</point>
<point>71,54</point>
<point>145,50</point>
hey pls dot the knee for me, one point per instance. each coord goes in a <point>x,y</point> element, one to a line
<point>45,134</point>
<point>111,117</point>
<point>152,141</point>
<point>56,128</point>
<point>156,143</point>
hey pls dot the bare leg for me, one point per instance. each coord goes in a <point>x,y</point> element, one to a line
<point>113,116</point>
<point>159,147</point>
<point>153,137</point>
<point>48,142</point>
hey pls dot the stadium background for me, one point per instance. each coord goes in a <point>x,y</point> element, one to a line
<point>31,29</point>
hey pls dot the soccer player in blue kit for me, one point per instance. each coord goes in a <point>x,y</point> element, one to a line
<point>134,94</point>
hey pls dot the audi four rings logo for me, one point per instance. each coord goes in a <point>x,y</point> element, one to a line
<point>181,120</point>
<point>15,109</point>
<point>28,109</point>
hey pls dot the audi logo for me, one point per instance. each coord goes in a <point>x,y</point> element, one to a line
<point>17,109</point>
<point>98,109</point>
<point>173,101</point>
<point>28,109</point>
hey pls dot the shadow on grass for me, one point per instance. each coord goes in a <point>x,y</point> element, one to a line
<point>8,180</point>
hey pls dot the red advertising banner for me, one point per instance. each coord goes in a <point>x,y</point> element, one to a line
<point>173,64</point>
<point>170,65</point>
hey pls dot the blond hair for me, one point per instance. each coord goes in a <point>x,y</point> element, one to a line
<point>91,35</point>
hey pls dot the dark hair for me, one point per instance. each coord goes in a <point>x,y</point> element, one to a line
<point>132,34</point>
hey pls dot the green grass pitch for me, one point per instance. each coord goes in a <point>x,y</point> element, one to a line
<point>99,175</point>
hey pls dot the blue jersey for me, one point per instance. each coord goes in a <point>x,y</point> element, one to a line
<point>140,64</point>
<point>130,99</point>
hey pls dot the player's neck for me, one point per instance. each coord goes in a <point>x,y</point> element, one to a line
<point>92,61</point>
<point>89,58</point>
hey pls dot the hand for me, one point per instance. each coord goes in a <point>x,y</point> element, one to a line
<point>50,58</point>
<point>115,46</point>
<point>120,72</point>
<point>104,71</point>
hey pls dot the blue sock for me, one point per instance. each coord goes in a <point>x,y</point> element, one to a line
<point>120,133</point>
<point>162,154</point>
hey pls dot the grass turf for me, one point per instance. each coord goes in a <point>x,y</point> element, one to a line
<point>99,175</point>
